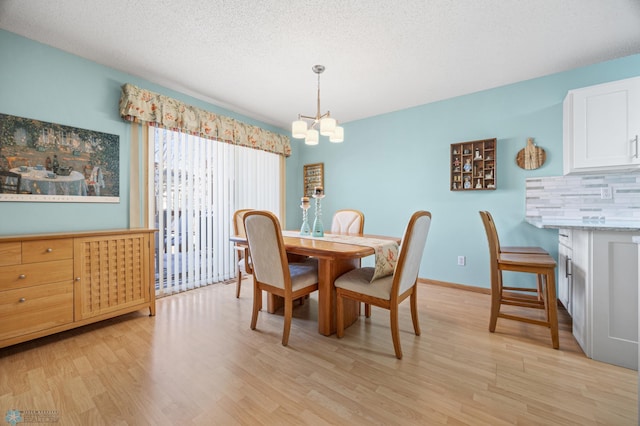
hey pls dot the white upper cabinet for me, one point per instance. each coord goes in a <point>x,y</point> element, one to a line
<point>601,127</point>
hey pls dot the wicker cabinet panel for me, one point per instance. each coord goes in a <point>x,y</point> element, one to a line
<point>112,273</point>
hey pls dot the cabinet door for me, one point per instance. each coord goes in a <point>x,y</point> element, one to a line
<point>615,295</point>
<point>111,274</point>
<point>564,276</point>
<point>580,291</point>
<point>604,124</point>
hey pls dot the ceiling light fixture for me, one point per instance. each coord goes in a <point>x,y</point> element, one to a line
<point>328,125</point>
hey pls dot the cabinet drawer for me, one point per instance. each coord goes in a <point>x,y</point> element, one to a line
<point>20,276</point>
<point>46,250</point>
<point>36,308</point>
<point>565,237</point>
<point>10,253</point>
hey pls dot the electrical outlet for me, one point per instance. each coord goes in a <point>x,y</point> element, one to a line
<point>462,260</point>
<point>606,193</point>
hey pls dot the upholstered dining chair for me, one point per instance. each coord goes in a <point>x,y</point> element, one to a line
<point>542,265</point>
<point>388,292</point>
<point>272,272</point>
<point>9,182</point>
<point>349,221</point>
<point>244,260</point>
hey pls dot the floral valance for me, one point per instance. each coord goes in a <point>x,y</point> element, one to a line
<point>140,105</point>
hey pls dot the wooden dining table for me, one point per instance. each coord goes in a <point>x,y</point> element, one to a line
<point>334,259</point>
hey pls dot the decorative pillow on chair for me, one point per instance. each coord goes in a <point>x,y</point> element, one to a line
<point>386,259</point>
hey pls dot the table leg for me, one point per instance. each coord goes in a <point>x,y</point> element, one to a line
<point>328,271</point>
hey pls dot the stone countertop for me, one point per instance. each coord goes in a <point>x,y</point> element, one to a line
<point>586,224</point>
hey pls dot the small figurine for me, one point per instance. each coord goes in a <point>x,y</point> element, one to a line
<point>478,156</point>
<point>467,182</point>
<point>456,165</point>
<point>478,184</point>
<point>455,151</point>
<point>455,185</point>
<point>47,164</point>
<point>467,165</point>
<point>55,165</point>
<point>489,175</point>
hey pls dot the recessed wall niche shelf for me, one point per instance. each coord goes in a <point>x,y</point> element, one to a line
<point>473,165</point>
<point>313,175</point>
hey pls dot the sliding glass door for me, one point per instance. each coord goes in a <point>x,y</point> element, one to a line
<point>198,184</point>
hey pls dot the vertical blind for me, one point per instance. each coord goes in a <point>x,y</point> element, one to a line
<point>198,184</point>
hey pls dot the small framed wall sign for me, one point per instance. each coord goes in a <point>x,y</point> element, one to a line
<point>313,176</point>
<point>473,165</point>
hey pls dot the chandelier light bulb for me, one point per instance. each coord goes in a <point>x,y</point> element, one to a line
<point>299,129</point>
<point>311,137</point>
<point>338,135</point>
<point>327,126</point>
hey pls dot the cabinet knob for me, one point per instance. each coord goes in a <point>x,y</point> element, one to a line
<point>49,250</point>
<point>22,276</point>
<point>22,300</point>
<point>77,278</point>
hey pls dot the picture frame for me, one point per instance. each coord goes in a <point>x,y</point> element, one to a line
<point>59,163</point>
<point>313,176</point>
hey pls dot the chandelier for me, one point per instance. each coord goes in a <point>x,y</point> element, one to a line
<point>328,126</point>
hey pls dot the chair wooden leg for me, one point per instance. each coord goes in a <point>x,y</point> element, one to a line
<point>395,331</point>
<point>238,284</point>
<point>339,316</point>
<point>550,280</point>
<point>288,313</point>
<point>495,310</point>
<point>414,310</point>
<point>257,304</point>
<point>367,310</point>
<point>542,295</point>
<point>540,288</point>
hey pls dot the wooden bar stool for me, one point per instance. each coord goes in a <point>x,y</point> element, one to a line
<point>522,250</point>
<point>526,250</point>
<point>540,264</point>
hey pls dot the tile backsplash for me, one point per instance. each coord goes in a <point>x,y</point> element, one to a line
<point>584,197</point>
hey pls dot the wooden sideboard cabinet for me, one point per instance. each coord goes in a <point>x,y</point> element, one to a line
<point>55,282</point>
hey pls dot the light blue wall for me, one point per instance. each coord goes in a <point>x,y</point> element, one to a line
<point>388,166</point>
<point>393,164</point>
<point>46,84</point>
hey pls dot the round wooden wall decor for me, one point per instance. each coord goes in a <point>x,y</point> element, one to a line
<point>531,156</point>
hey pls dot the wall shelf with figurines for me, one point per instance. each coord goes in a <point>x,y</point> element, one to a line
<point>473,165</point>
<point>313,176</point>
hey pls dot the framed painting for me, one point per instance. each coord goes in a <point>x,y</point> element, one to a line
<point>48,162</point>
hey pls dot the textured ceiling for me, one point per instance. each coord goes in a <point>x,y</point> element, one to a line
<point>255,56</point>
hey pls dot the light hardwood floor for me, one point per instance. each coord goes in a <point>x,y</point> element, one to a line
<point>197,362</point>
